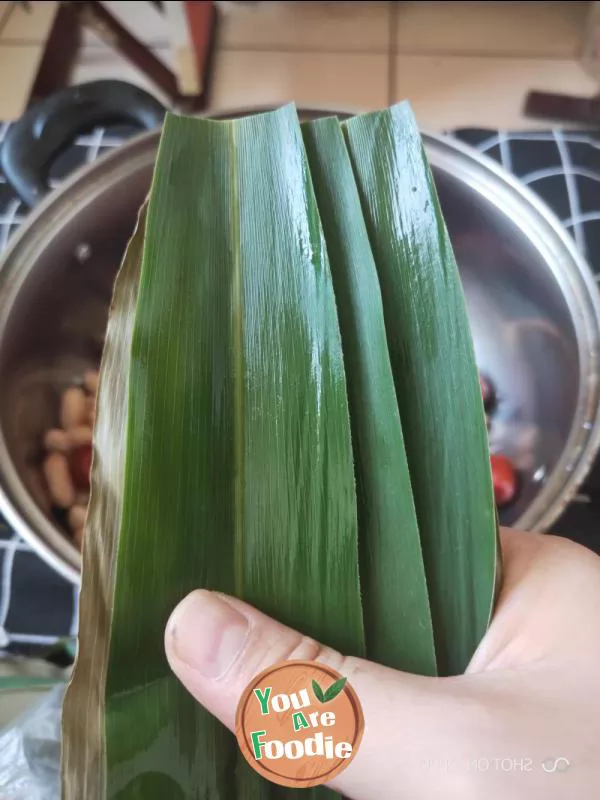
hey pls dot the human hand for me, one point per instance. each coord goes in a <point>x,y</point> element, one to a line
<point>529,697</point>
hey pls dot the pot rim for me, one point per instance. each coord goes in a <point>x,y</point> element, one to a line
<point>483,175</point>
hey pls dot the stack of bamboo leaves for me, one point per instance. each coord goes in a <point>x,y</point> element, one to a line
<point>289,411</point>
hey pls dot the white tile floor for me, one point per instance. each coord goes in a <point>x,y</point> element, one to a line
<point>506,29</point>
<point>308,26</point>
<point>460,63</point>
<point>459,91</point>
<point>353,80</point>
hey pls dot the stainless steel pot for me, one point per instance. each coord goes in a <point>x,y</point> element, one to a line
<point>533,305</point>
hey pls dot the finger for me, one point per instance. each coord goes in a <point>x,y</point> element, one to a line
<point>547,581</point>
<point>217,644</point>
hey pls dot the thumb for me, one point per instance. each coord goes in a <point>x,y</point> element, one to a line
<point>216,645</point>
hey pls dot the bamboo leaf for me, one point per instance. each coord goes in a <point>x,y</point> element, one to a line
<point>436,378</point>
<point>300,551</point>
<point>83,751</point>
<point>234,461</point>
<point>318,692</point>
<point>396,605</point>
<point>177,530</point>
<point>334,690</point>
<point>223,455</point>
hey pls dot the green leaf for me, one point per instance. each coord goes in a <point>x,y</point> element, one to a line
<point>396,606</point>
<point>436,377</point>
<point>236,471</point>
<point>299,547</point>
<point>334,689</point>
<point>331,693</point>
<point>318,692</point>
<point>83,756</point>
<point>238,416</point>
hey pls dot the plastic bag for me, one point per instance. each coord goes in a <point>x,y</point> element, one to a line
<point>30,752</point>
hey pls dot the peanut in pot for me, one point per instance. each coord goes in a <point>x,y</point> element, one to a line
<point>68,451</point>
<point>78,537</point>
<point>76,517</point>
<point>90,381</point>
<point>58,479</point>
<point>57,439</point>
<point>91,410</point>
<point>73,408</point>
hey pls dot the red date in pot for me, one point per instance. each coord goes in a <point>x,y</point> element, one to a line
<point>505,480</point>
<point>81,465</point>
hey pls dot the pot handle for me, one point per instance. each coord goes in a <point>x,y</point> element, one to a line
<point>33,142</point>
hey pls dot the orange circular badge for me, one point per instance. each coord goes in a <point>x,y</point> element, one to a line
<point>299,723</point>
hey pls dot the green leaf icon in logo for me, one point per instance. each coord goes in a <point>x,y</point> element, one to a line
<point>331,693</point>
<point>335,689</point>
<point>318,692</point>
